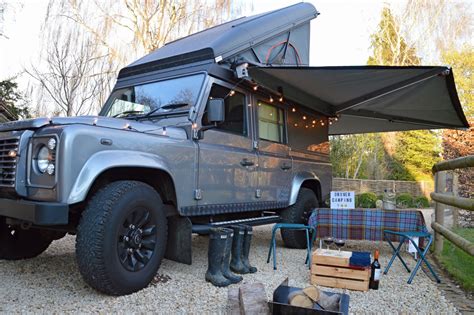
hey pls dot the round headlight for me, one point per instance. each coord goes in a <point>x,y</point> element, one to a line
<point>52,143</point>
<point>42,159</point>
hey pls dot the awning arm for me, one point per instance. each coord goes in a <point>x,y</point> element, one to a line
<point>399,119</point>
<point>391,89</point>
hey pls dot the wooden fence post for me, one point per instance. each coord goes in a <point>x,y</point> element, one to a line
<point>439,211</point>
<point>455,194</point>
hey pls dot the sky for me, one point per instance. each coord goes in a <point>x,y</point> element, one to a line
<point>339,35</point>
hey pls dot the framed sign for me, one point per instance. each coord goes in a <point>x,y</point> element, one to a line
<point>342,200</point>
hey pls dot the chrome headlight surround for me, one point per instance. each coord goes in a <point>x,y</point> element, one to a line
<point>43,161</point>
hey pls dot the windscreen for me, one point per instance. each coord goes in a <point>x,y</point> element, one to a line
<point>173,95</point>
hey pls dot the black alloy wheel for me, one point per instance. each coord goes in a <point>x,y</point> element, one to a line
<point>137,239</point>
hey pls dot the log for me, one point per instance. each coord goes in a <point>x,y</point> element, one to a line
<point>300,299</point>
<point>253,299</point>
<point>312,292</point>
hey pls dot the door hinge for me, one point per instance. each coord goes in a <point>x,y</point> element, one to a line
<point>258,193</point>
<point>197,194</point>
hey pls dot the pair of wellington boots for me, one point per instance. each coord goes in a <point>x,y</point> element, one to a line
<point>221,242</point>
<point>220,245</point>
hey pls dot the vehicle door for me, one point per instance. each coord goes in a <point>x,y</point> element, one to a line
<point>275,164</point>
<point>227,159</point>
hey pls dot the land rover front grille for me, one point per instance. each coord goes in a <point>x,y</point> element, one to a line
<point>8,161</point>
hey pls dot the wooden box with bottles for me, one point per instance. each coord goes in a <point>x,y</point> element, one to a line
<point>330,268</point>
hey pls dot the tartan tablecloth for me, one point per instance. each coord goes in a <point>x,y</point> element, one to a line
<point>365,224</point>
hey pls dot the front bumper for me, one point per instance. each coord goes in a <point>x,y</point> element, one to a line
<point>38,213</point>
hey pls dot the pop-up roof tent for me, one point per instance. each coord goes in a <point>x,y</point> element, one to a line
<point>276,46</point>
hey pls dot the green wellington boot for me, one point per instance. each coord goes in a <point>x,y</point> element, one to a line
<point>246,249</point>
<point>236,264</point>
<point>226,262</point>
<point>217,246</point>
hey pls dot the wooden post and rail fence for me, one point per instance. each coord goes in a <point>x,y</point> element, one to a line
<point>452,200</point>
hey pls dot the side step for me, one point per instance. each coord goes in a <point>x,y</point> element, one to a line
<point>204,228</point>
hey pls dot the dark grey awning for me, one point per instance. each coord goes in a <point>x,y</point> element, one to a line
<point>371,98</point>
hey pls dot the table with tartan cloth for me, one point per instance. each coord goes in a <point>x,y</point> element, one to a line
<point>365,224</point>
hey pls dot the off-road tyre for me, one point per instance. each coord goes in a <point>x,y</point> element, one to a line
<point>298,213</point>
<point>17,243</point>
<point>100,240</point>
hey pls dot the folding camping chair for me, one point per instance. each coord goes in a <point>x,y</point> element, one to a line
<point>409,236</point>
<point>292,226</point>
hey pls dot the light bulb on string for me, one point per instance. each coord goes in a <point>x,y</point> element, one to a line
<point>280,99</point>
<point>293,109</point>
<point>304,117</point>
<point>232,92</point>
<point>271,99</point>
<point>255,87</point>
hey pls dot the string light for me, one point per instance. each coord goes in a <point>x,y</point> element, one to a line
<point>255,87</point>
<point>296,125</point>
<point>330,122</point>
<point>280,99</point>
<point>304,117</point>
<point>314,121</point>
<point>322,123</point>
<point>232,92</point>
<point>306,126</point>
<point>195,126</point>
<point>336,119</point>
<point>312,126</point>
<point>271,99</point>
<point>293,109</point>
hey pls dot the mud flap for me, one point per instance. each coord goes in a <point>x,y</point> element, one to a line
<point>179,247</point>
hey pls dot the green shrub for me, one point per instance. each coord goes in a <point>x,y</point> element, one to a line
<point>422,202</point>
<point>404,200</point>
<point>366,200</point>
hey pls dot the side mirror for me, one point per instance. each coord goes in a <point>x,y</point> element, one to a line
<point>216,110</point>
<point>215,114</point>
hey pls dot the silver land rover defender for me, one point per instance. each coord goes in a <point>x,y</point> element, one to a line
<point>225,126</point>
<point>183,143</point>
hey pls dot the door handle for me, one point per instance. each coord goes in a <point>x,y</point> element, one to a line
<point>246,162</point>
<point>285,167</point>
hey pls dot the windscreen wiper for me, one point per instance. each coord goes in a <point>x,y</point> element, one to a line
<point>167,106</point>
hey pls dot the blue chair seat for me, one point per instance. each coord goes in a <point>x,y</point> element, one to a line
<point>292,226</point>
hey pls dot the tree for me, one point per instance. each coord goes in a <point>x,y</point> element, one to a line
<point>411,154</point>
<point>75,75</point>
<point>87,42</point>
<point>462,63</point>
<point>358,156</point>
<point>13,100</point>
<point>457,143</point>
<point>389,46</point>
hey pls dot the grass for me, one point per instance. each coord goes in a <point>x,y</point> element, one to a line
<point>458,263</point>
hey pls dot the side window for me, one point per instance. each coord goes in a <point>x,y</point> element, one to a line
<point>235,110</point>
<point>271,123</point>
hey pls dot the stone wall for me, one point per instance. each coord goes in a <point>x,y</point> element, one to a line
<point>378,186</point>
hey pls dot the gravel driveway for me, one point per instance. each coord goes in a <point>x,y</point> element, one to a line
<point>52,283</point>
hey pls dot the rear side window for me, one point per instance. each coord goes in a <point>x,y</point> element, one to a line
<point>235,110</point>
<point>271,122</point>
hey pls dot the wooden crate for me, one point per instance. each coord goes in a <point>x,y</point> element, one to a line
<point>330,268</point>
